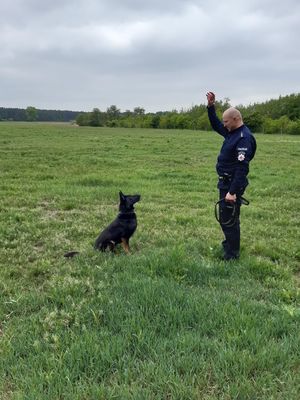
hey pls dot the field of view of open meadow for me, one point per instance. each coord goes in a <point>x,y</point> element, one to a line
<point>170,320</point>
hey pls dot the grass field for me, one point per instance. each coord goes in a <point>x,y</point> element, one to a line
<point>170,321</point>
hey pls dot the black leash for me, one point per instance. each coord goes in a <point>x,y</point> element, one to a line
<point>233,215</point>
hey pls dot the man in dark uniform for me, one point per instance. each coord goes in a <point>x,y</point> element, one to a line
<point>237,151</point>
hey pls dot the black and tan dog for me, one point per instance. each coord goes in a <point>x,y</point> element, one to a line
<point>120,230</point>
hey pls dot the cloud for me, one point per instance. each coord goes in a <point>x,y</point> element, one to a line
<point>159,55</point>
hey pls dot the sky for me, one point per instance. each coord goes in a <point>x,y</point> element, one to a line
<point>159,55</point>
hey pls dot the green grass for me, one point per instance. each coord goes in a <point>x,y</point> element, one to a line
<point>169,321</point>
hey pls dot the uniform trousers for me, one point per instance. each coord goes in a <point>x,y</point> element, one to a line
<point>230,224</point>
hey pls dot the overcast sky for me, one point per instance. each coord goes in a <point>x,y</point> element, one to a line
<point>157,54</point>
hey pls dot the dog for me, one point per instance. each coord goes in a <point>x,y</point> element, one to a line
<point>120,230</point>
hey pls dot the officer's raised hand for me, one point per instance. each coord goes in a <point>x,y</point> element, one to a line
<point>211,98</point>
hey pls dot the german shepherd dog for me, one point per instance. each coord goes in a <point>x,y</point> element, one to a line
<point>120,230</point>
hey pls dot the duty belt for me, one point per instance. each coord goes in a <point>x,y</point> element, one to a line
<point>225,177</point>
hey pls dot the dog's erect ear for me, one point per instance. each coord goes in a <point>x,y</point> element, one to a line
<point>122,197</point>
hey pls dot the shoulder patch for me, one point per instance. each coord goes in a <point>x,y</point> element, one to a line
<point>241,156</point>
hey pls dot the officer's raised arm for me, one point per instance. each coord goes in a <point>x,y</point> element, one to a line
<point>215,123</point>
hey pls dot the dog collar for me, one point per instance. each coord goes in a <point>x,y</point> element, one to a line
<point>130,215</point>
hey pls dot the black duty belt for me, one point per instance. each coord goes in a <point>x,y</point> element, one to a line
<point>225,177</point>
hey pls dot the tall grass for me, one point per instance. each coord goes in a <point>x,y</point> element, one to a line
<point>169,321</point>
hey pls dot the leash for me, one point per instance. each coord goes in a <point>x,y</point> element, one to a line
<point>233,214</point>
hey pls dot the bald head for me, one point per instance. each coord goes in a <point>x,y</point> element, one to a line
<point>232,119</point>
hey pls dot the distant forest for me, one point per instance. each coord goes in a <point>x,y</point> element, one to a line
<point>34,114</point>
<point>280,116</point>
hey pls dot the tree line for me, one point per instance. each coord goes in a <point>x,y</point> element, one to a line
<point>280,116</point>
<point>33,114</point>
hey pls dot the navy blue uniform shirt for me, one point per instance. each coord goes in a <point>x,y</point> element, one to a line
<point>237,151</point>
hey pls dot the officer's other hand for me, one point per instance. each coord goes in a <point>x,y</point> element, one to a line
<point>231,198</point>
<point>211,98</point>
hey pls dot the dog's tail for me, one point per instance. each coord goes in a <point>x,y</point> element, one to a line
<point>71,254</point>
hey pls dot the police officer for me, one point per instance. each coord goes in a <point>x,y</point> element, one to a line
<point>237,151</point>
